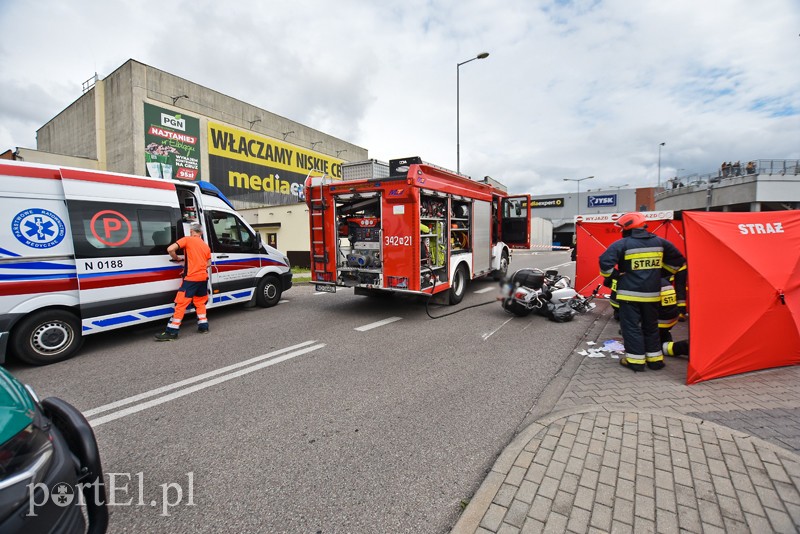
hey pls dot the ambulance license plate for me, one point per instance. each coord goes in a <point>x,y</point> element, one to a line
<point>325,288</point>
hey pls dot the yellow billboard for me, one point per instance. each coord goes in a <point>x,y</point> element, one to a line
<point>248,166</point>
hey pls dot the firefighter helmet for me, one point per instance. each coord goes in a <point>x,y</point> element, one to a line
<point>631,220</point>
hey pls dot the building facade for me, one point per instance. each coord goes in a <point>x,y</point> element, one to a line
<point>770,185</point>
<point>144,121</point>
<point>562,208</point>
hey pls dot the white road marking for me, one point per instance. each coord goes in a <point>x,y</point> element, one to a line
<point>490,334</point>
<point>288,353</point>
<point>485,290</point>
<point>377,324</point>
<point>282,301</point>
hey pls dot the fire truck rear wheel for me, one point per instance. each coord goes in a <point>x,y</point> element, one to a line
<point>268,292</point>
<point>48,336</point>
<point>459,285</point>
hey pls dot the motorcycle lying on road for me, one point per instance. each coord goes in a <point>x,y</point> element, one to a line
<point>547,293</point>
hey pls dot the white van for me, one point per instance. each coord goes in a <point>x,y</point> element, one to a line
<point>83,252</point>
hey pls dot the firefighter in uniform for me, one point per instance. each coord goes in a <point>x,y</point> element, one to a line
<point>639,258</point>
<point>669,314</point>
<point>194,288</point>
<point>667,311</point>
<point>680,291</point>
<point>611,283</point>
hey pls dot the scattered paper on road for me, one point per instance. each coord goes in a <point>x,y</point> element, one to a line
<point>614,345</point>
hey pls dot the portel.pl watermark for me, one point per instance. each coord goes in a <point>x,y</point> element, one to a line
<point>122,489</point>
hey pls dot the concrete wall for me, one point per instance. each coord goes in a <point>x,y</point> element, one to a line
<point>124,137</point>
<point>71,132</point>
<point>159,88</point>
<point>107,122</point>
<point>34,156</point>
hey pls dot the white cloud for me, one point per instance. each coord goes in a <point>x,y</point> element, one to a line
<point>570,89</point>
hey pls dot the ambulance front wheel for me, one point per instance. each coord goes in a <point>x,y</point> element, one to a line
<point>268,292</point>
<point>48,336</point>
<point>458,286</point>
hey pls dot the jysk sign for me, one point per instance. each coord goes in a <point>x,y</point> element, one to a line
<point>547,203</point>
<point>601,201</point>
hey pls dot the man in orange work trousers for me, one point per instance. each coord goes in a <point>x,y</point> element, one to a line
<point>195,282</point>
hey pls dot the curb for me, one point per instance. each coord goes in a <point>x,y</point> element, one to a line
<point>470,518</point>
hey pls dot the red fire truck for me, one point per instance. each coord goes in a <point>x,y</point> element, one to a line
<point>411,227</point>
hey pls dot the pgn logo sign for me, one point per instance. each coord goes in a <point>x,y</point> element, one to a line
<point>598,201</point>
<point>38,228</point>
<point>111,228</point>
<point>175,121</point>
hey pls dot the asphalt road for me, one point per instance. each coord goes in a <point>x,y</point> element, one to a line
<point>326,413</point>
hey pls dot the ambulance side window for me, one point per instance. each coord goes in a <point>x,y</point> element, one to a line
<point>157,232</point>
<point>228,233</point>
<point>103,229</point>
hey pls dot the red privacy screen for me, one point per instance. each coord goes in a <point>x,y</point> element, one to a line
<point>744,279</point>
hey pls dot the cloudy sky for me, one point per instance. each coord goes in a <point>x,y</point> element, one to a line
<point>570,88</point>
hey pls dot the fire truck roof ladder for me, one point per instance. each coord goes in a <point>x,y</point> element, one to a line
<point>319,249</point>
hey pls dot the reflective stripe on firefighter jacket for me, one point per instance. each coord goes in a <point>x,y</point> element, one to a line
<point>612,298</point>
<point>611,283</point>
<point>668,311</point>
<point>639,258</point>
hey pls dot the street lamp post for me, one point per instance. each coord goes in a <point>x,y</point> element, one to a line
<point>482,55</point>
<point>659,162</point>
<point>579,180</point>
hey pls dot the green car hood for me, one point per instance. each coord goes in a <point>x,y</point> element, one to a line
<point>17,408</point>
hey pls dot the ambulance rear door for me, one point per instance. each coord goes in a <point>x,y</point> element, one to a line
<point>121,227</point>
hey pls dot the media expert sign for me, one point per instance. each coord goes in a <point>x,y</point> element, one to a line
<point>171,144</point>
<point>243,164</point>
<point>598,201</point>
<point>547,203</point>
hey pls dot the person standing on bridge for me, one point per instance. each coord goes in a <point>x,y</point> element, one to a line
<point>639,257</point>
<point>194,288</point>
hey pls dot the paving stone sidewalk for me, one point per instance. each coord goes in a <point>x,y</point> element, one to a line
<point>643,452</point>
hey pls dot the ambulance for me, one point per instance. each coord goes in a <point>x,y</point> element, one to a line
<point>83,252</point>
